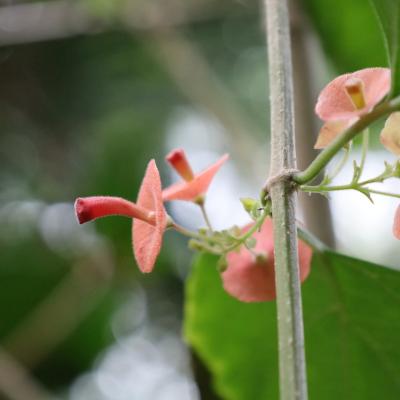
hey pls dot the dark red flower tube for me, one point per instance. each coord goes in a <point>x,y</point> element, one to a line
<point>89,208</point>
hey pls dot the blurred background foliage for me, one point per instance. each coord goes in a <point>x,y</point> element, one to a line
<point>90,91</point>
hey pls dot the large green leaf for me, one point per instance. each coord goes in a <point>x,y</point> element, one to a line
<point>388,12</point>
<point>352,326</point>
<point>236,340</point>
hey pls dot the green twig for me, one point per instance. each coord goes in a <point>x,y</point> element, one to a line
<point>205,216</point>
<point>321,189</point>
<point>307,237</point>
<point>191,234</point>
<point>213,240</point>
<point>355,184</point>
<point>249,233</point>
<point>364,151</point>
<point>384,193</point>
<point>339,166</point>
<point>329,152</point>
<point>362,189</point>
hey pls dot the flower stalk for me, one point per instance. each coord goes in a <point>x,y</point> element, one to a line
<point>323,158</point>
<point>391,171</point>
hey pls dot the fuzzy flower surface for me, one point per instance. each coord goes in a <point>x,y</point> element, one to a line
<point>252,279</point>
<point>193,186</point>
<point>345,99</point>
<point>148,214</point>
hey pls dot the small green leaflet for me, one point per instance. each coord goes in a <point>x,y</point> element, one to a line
<point>388,12</point>
<point>352,330</point>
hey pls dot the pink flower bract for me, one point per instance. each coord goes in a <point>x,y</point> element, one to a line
<point>334,103</point>
<point>148,214</point>
<point>329,131</point>
<point>190,190</point>
<point>252,281</point>
<point>147,239</point>
<point>396,224</point>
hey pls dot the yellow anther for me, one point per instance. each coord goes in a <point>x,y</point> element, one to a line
<point>355,89</point>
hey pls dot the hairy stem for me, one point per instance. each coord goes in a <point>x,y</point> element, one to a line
<point>322,188</point>
<point>340,165</point>
<point>205,216</point>
<point>292,370</point>
<point>364,150</point>
<point>186,232</point>
<point>312,240</point>
<point>384,193</point>
<point>354,185</point>
<point>249,233</point>
<point>212,240</point>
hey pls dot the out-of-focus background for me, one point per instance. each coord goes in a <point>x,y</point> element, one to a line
<point>90,91</point>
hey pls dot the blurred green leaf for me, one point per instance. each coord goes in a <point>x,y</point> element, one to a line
<point>351,311</point>
<point>80,349</point>
<point>107,9</point>
<point>348,32</point>
<point>388,12</point>
<point>28,272</point>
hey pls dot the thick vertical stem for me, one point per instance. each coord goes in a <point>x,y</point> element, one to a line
<point>290,321</point>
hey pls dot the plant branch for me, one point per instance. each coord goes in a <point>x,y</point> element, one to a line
<point>242,239</point>
<point>216,241</point>
<point>329,152</point>
<point>355,184</point>
<point>384,193</point>
<point>340,165</point>
<point>311,240</point>
<point>293,384</point>
<point>364,150</point>
<point>205,216</point>
<point>194,235</point>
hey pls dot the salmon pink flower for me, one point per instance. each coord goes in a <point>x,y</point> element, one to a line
<point>252,279</point>
<point>347,98</point>
<point>396,224</point>
<point>390,135</point>
<point>329,131</point>
<point>148,214</point>
<point>352,95</point>
<point>194,186</point>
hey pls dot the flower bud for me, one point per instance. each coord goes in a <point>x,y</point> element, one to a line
<point>89,208</point>
<point>248,203</point>
<point>251,242</point>
<point>195,245</point>
<point>177,159</point>
<point>222,264</point>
